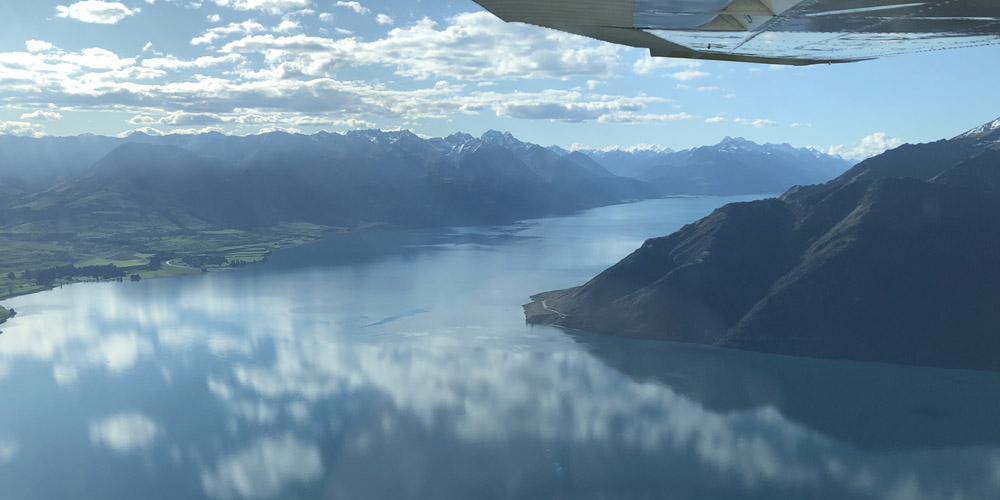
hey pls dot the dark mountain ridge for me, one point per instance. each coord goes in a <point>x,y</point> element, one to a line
<point>876,265</point>
<point>359,178</point>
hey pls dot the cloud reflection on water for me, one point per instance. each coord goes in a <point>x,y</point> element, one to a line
<point>262,381</point>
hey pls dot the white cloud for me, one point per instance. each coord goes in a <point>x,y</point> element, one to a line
<point>627,117</point>
<point>245,28</point>
<point>95,11</point>
<point>564,106</point>
<point>41,115</point>
<point>715,119</point>
<point>147,47</point>
<point>708,89</point>
<point>287,26</point>
<point>648,64</point>
<point>214,18</point>
<point>190,119</point>
<point>758,123</point>
<point>474,46</point>
<point>869,146</point>
<point>37,46</point>
<point>124,432</point>
<point>688,75</point>
<point>145,130</point>
<point>285,81</point>
<point>19,128</point>
<point>326,17</point>
<point>384,19</point>
<point>355,6</point>
<point>98,58</point>
<point>269,6</point>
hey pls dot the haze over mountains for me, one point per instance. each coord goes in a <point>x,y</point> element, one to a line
<point>894,260</point>
<point>212,181</point>
<point>733,166</point>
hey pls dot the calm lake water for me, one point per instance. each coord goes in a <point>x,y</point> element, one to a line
<point>398,365</point>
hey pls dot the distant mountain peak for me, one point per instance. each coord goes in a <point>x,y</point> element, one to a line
<point>377,136</point>
<point>736,142</point>
<point>984,129</point>
<point>459,138</point>
<point>502,139</point>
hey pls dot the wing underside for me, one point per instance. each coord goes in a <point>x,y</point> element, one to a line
<point>769,31</point>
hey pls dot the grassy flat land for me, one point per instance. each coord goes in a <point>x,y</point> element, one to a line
<point>140,251</point>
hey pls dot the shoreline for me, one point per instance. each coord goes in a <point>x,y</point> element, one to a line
<point>278,240</point>
<point>230,254</point>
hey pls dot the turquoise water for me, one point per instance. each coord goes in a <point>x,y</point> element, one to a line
<point>398,365</point>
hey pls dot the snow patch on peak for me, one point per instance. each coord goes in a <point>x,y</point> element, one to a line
<point>503,139</point>
<point>983,129</point>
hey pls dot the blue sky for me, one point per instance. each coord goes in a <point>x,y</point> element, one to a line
<point>246,66</point>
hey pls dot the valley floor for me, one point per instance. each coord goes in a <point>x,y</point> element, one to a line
<point>143,257</point>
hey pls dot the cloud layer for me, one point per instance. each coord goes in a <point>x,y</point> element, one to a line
<point>95,11</point>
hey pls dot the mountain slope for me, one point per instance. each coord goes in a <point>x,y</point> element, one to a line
<point>738,166</point>
<point>354,179</point>
<point>868,267</point>
<point>140,184</point>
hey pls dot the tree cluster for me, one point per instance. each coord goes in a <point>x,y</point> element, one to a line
<point>204,260</point>
<point>48,276</point>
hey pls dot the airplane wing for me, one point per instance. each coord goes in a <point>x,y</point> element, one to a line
<point>769,31</point>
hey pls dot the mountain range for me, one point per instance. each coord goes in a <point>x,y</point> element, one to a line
<point>218,181</point>
<point>733,166</point>
<point>892,261</point>
<point>72,185</point>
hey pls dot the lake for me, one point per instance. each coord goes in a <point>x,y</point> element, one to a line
<point>390,365</point>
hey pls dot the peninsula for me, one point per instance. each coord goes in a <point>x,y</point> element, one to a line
<point>893,261</point>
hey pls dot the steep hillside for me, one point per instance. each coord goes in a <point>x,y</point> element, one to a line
<point>872,268</point>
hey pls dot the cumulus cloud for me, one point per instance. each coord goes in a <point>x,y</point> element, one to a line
<point>19,128</point>
<point>474,46</point>
<point>758,123</point>
<point>269,6</point>
<point>270,80</point>
<point>144,130</point>
<point>869,146</point>
<point>172,63</point>
<point>213,34</point>
<point>98,58</point>
<point>688,74</point>
<point>564,106</point>
<point>355,6</point>
<point>95,11</point>
<point>41,115</point>
<point>715,119</point>
<point>648,64</point>
<point>384,19</point>
<point>287,26</point>
<point>37,46</point>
